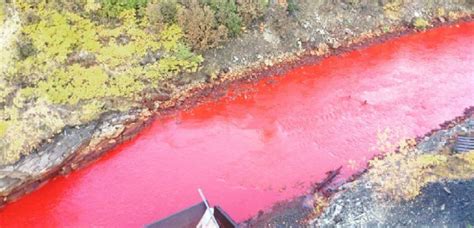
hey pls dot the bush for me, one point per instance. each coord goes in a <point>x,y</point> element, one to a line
<point>250,11</point>
<point>292,7</point>
<point>200,26</point>
<point>168,9</point>
<point>393,9</point>
<point>227,15</point>
<point>162,12</point>
<point>420,23</point>
<point>113,8</point>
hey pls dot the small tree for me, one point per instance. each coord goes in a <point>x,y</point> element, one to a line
<point>200,25</point>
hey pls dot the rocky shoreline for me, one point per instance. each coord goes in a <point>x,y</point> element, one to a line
<point>352,203</point>
<point>78,146</point>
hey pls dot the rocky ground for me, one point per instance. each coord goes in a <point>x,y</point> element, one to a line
<point>448,202</point>
<point>316,30</point>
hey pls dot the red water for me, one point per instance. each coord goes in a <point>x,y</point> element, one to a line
<point>270,143</point>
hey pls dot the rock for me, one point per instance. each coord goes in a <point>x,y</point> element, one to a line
<point>82,57</point>
<point>148,58</point>
<point>225,69</point>
<point>270,37</point>
<point>333,43</point>
<point>183,79</point>
<point>267,62</point>
<point>161,96</point>
<point>305,24</point>
<point>34,168</point>
<point>347,31</point>
<point>122,39</point>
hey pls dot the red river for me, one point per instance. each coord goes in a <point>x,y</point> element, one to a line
<point>270,143</point>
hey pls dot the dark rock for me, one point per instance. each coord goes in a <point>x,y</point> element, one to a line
<point>225,69</point>
<point>122,39</point>
<point>86,59</point>
<point>37,166</point>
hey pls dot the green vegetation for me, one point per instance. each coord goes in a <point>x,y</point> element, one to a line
<point>74,60</point>
<point>292,7</point>
<point>2,11</point>
<point>393,9</point>
<point>113,8</point>
<point>203,30</point>
<point>69,61</point>
<point>420,23</point>
<point>3,127</point>
<point>226,13</point>
<point>206,23</point>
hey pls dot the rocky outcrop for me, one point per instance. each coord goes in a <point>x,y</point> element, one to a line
<point>32,170</point>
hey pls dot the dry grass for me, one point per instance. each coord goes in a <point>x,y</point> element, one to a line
<point>402,175</point>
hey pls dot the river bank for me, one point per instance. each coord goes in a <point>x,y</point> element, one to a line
<point>358,202</point>
<point>77,146</point>
<point>248,150</point>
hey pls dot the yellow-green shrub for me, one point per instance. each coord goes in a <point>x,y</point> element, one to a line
<point>2,11</point>
<point>117,71</point>
<point>3,127</point>
<point>77,68</point>
<point>420,23</point>
<point>73,84</point>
